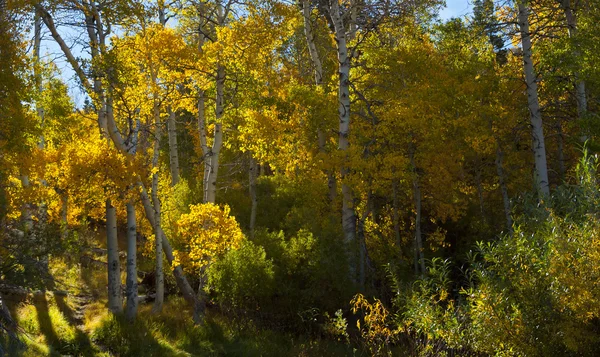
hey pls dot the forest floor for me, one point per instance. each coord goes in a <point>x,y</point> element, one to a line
<point>70,318</point>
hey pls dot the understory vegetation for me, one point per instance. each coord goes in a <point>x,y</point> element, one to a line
<point>299,178</point>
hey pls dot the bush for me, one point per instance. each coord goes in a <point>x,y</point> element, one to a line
<point>243,278</point>
<point>535,292</point>
<point>289,282</point>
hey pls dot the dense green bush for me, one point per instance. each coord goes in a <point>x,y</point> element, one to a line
<point>290,282</point>
<point>243,278</point>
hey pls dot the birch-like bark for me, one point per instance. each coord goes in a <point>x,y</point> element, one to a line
<point>537,129</point>
<point>173,151</point>
<point>571,20</point>
<point>212,159</point>
<point>348,214</point>
<point>115,304</point>
<point>318,72</point>
<point>159,274</point>
<point>131,282</point>
<point>253,174</point>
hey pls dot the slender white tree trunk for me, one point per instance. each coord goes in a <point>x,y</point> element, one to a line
<point>160,280</point>
<point>115,303</point>
<point>173,152</point>
<point>132,283</point>
<point>212,160</point>
<point>348,213</point>
<point>537,128</point>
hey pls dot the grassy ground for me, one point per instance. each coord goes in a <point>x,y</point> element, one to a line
<point>76,322</point>
<point>51,327</point>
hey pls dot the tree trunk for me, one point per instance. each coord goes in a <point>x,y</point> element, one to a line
<point>160,289</point>
<point>348,214</point>
<point>173,153</point>
<point>537,129</point>
<point>253,173</point>
<point>115,303</point>
<point>132,283</point>
<point>212,160</point>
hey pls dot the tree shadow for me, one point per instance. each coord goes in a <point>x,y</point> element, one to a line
<point>44,320</point>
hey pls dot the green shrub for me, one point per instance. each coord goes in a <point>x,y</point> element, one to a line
<point>243,278</point>
<point>535,292</point>
<point>288,282</point>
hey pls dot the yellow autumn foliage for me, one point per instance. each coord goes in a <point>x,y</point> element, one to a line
<point>205,233</point>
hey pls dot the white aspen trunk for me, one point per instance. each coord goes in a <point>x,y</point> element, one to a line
<point>173,152</point>
<point>537,128</point>
<point>253,173</point>
<point>571,20</point>
<point>348,214</point>
<point>160,280</point>
<point>131,282</point>
<point>318,72</point>
<point>115,304</point>
<point>212,160</point>
<point>310,40</point>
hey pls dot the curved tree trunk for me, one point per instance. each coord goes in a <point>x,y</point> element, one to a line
<point>537,128</point>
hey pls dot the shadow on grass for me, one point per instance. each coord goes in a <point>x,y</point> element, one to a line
<point>44,320</point>
<point>139,338</point>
